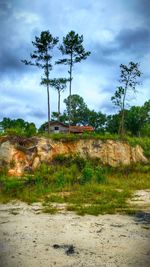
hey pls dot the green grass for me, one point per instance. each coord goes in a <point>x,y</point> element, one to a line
<point>85,136</point>
<point>49,209</point>
<point>84,185</point>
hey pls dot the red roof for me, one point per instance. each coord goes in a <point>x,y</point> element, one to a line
<point>80,129</point>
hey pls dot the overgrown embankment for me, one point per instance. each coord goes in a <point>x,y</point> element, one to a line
<point>20,154</point>
<point>75,174</point>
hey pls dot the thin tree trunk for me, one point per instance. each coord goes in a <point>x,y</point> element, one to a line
<point>48,103</point>
<point>70,72</point>
<point>122,127</point>
<point>58,104</point>
<point>48,94</point>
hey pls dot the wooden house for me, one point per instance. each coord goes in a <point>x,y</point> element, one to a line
<point>59,127</point>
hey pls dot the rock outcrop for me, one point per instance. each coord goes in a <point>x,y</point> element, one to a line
<point>25,154</point>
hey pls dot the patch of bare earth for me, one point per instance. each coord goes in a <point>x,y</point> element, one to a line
<point>141,199</point>
<point>29,237</point>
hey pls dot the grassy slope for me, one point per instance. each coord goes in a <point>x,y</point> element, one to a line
<point>83,185</point>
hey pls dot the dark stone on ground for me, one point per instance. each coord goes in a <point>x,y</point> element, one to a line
<point>69,249</point>
<point>143,217</point>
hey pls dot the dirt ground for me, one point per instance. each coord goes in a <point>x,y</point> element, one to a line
<point>30,238</point>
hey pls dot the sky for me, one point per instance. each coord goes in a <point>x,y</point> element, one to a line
<point>115,32</point>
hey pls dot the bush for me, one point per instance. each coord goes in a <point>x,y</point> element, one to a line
<point>100,176</point>
<point>87,174</point>
<point>79,161</point>
<point>15,132</point>
<point>13,187</point>
<point>63,159</point>
<point>60,179</point>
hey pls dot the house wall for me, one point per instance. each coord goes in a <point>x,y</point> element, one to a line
<point>62,129</point>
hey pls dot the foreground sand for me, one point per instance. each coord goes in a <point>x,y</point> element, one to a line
<point>29,238</point>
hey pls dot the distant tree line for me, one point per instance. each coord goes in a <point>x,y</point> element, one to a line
<point>136,122</point>
<point>18,126</point>
<point>136,118</point>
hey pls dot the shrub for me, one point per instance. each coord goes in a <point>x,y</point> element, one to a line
<point>12,187</point>
<point>15,132</point>
<point>87,174</point>
<point>100,176</point>
<point>79,161</point>
<point>63,159</point>
<point>60,179</point>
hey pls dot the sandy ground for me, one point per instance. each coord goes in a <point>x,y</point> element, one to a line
<point>30,238</point>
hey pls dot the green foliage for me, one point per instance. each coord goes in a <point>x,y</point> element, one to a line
<point>144,142</point>
<point>86,175</point>
<point>73,46</point>
<point>18,127</point>
<point>128,80</point>
<point>15,132</point>
<point>61,159</point>
<point>30,130</point>
<point>112,124</point>
<point>66,160</point>
<point>79,161</point>
<point>64,137</point>
<point>100,175</point>
<point>60,179</point>
<point>145,130</point>
<point>86,188</point>
<point>136,118</point>
<point>49,209</point>
<point>77,109</point>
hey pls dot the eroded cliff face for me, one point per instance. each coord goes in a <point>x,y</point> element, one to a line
<point>21,154</point>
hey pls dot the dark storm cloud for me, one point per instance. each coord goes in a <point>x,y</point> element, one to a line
<point>142,7</point>
<point>130,42</point>
<point>10,61</point>
<point>13,44</point>
<point>37,113</point>
<point>137,41</point>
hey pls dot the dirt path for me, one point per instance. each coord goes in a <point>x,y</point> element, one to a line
<point>29,238</point>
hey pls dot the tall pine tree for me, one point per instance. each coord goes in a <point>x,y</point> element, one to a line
<point>73,51</point>
<point>41,58</point>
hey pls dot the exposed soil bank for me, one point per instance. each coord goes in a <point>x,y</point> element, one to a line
<point>22,154</point>
<point>31,238</point>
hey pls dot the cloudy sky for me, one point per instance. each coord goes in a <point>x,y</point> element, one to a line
<point>115,31</point>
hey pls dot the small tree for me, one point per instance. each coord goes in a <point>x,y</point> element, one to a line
<point>76,108</point>
<point>137,117</point>
<point>128,79</point>
<point>60,85</point>
<point>72,47</point>
<point>41,57</point>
